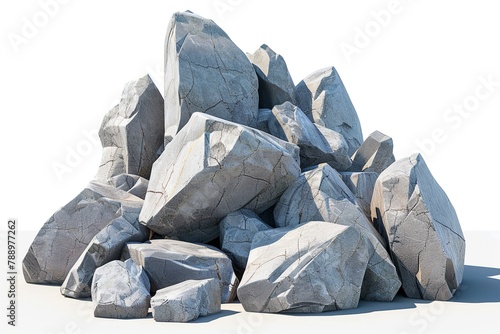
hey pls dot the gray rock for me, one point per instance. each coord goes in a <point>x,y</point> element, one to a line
<point>422,227</point>
<point>275,82</point>
<point>169,262</point>
<point>236,235</point>
<point>120,290</point>
<point>211,168</point>
<point>341,158</point>
<point>361,184</point>
<point>374,155</point>
<point>314,267</point>
<point>133,184</point>
<point>206,72</point>
<point>324,99</point>
<point>66,234</point>
<point>320,194</point>
<point>263,119</point>
<point>132,132</point>
<point>187,301</point>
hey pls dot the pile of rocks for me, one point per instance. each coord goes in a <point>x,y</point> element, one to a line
<point>239,184</point>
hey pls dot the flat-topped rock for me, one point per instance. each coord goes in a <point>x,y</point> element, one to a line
<point>374,154</point>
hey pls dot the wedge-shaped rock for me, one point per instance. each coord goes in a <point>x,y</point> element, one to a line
<point>374,155</point>
<point>64,237</point>
<point>341,158</point>
<point>211,168</point>
<point>314,267</point>
<point>320,194</point>
<point>324,99</point>
<point>422,227</point>
<point>236,235</point>
<point>133,184</point>
<point>120,290</point>
<point>169,262</point>
<point>187,301</point>
<point>361,184</point>
<point>275,82</point>
<point>206,72</point>
<point>132,132</point>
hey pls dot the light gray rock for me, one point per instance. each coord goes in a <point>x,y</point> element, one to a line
<point>374,155</point>
<point>341,158</point>
<point>422,227</point>
<point>66,234</point>
<point>187,301</point>
<point>169,262</point>
<point>361,184</point>
<point>320,194</point>
<point>132,132</point>
<point>120,290</point>
<point>324,99</point>
<point>206,72</point>
<point>275,82</point>
<point>236,234</point>
<point>211,168</point>
<point>314,267</point>
<point>133,184</point>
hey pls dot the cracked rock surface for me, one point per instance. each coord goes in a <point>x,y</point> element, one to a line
<point>361,184</point>
<point>313,267</point>
<point>422,228</point>
<point>133,184</point>
<point>186,301</point>
<point>374,155</point>
<point>341,158</point>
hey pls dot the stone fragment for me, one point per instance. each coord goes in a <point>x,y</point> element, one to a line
<point>206,72</point>
<point>374,155</point>
<point>211,168</point>
<point>133,184</point>
<point>120,290</point>
<point>324,99</point>
<point>187,301</point>
<point>361,185</point>
<point>422,228</point>
<point>169,262</point>
<point>314,267</point>
<point>341,158</point>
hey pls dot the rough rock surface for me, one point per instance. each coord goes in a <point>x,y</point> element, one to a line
<point>341,158</point>
<point>423,231</point>
<point>237,230</point>
<point>314,267</point>
<point>187,301</point>
<point>133,184</point>
<point>169,262</point>
<point>374,155</point>
<point>211,168</point>
<point>324,99</point>
<point>66,234</point>
<point>275,82</point>
<point>132,132</point>
<point>321,195</point>
<point>120,290</point>
<point>206,72</point>
<point>263,120</point>
<point>361,185</point>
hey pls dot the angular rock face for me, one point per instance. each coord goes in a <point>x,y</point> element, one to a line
<point>361,184</point>
<point>187,301</point>
<point>341,158</point>
<point>120,290</point>
<point>275,82</point>
<point>324,99</point>
<point>314,267</point>
<point>423,231</point>
<point>236,234</point>
<point>132,132</point>
<point>263,119</point>
<point>133,184</point>
<point>320,194</point>
<point>206,72</point>
<point>169,262</point>
<point>374,155</point>
<point>211,168</point>
<point>64,237</point>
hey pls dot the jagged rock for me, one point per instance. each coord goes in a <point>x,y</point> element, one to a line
<point>341,159</point>
<point>132,132</point>
<point>120,290</point>
<point>66,234</point>
<point>320,194</point>
<point>324,99</point>
<point>206,72</point>
<point>263,119</point>
<point>275,82</point>
<point>187,301</point>
<point>374,155</point>
<point>133,184</point>
<point>314,267</point>
<point>236,234</point>
<point>422,227</point>
<point>361,184</point>
<point>169,262</point>
<point>211,168</point>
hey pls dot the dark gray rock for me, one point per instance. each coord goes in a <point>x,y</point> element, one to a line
<point>374,155</point>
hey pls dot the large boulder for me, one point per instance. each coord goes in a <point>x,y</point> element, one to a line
<point>341,158</point>
<point>361,184</point>
<point>211,168</point>
<point>314,267</point>
<point>422,228</point>
<point>206,72</point>
<point>324,99</point>
<point>374,155</point>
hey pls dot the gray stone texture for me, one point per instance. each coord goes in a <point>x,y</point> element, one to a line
<point>133,184</point>
<point>341,158</point>
<point>361,184</point>
<point>374,155</point>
